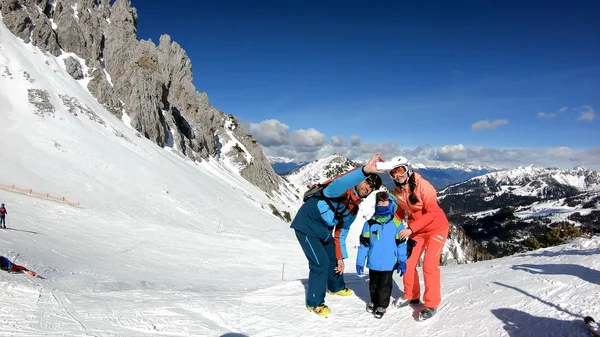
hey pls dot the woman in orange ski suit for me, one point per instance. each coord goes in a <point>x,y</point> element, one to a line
<point>427,225</point>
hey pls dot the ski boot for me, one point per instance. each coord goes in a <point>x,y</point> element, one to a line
<point>343,292</point>
<point>321,310</point>
<point>426,313</point>
<point>379,312</point>
<point>402,302</point>
<point>370,307</point>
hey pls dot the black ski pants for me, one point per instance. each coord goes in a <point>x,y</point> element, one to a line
<point>380,287</point>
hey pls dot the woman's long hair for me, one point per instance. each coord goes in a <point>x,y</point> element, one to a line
<point>412,184</point>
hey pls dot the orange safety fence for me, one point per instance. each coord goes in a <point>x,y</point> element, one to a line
<point>29,191</point>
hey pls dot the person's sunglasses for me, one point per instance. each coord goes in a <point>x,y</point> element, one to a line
<point>398,172</point>
<point>371,183</point>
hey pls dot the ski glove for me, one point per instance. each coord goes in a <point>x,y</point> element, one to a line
<point>401,267</point>
<point>359,269</point>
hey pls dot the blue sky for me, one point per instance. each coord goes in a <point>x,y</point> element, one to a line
<point>406,74</point>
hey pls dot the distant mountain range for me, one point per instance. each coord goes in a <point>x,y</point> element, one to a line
<point>516,210</point>
<point>440,176</point>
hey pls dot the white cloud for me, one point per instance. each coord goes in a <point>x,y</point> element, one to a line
<point>452,153</point>
<point>309,145</point>
<point>308,138</point>
<point>548,115</point>
<point>338,141</point>
<point>270,132</point>
<point>562,157</point>
<point>485,124</point>
<point>588,114</point>
<point>551,115</point>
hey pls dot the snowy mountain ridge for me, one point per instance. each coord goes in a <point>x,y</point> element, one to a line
<point>319,170</point>
<point>507,210</point>
<point>532,181</point>
<point>42,83</point>
<point>40,97</point>
<point>148,85</point>
<point>455,166</point>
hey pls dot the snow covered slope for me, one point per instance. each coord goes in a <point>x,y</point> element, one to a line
<point>162,246</point>
<point>152,279</point>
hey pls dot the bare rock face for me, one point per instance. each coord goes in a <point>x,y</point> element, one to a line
<point>463,249</point>
<point>16,18</point>
<point>27,20</point>
<point>43,36</point>
<point>73,68</point>
<point>80,25</point>
<point>258,170</point>
<point>104,92</point>
<point>152,84</point>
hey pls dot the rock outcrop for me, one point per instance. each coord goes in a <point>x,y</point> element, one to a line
<point>151,83</point>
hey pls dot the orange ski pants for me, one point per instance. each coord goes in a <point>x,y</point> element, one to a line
<point>432,243</point>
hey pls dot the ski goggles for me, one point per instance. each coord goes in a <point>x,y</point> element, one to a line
<point>398,172</point>
<point>382,196</point>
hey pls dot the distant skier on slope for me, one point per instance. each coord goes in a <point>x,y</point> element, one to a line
<point>321,227</point>
<point>3,213</point>
<point>384,251</point>
<point>9,266</point>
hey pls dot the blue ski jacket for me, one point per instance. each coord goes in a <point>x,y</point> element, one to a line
<point>5,264</point>
<point>315,217</point>
<point>380,244</point>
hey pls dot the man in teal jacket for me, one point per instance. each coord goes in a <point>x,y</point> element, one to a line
<point>314,224</point>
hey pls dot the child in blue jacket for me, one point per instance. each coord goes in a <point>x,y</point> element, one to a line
<point>383,250</point>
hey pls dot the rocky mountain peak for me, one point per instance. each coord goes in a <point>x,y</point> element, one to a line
<point>150,85</point>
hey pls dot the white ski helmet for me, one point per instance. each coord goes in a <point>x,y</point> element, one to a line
<point>400,161</point>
